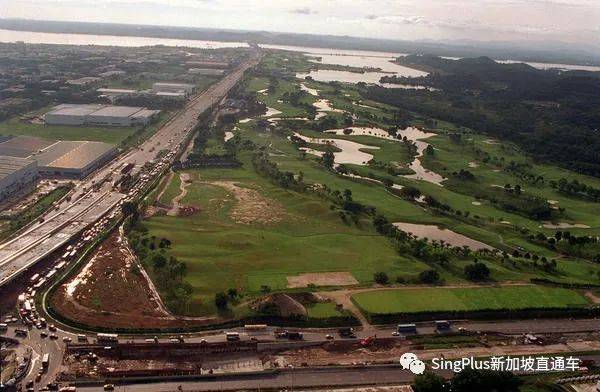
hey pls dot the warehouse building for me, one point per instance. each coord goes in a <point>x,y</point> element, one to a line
<point>174,87</point>
<point>73,159</point>
<point>104,115</point>
<point>16,174</point>
<point>68,159</point>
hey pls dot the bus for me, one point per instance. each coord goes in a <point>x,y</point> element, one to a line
<point>255,327</point>
<point>46,361</point>
<point>107,338</point>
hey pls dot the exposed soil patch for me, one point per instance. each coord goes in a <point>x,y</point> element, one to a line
<point>111,291</point>
<point>592,297</point>
<point>251,206</point>
<point>322,279</point>
<point>177,208</point>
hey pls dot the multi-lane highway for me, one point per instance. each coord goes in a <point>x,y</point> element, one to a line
<point>87,203</point>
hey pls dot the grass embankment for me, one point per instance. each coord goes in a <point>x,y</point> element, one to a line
<point>472,298</point>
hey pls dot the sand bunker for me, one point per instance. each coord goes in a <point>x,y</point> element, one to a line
<point>322,279</point>
<point>564,225</point>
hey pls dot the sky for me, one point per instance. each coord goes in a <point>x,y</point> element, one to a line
<point>575,21</point>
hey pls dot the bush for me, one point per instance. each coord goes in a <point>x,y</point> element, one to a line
<point>429,382</point>
<point>221,300</point>
<point>477,272</point>
<point>485,380</point>
<point>381,278</point>
<point>430,276</point>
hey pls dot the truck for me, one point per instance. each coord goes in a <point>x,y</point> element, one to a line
<point>127,167</point>
<point>407,328</point>
<point>232,336</point>
<point>442,325</point>
<point>107,338</point>
<point>295,335</point>
<point>46,361</point>
<point>347,332</point>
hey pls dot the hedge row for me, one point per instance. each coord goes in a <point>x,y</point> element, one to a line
<point>484,314</point>
<point>564,284</point>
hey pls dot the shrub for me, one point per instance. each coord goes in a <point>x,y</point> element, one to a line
<point>381,277</point>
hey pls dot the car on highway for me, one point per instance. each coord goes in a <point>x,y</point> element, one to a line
<point>53,336</point>
<point>67,339</point>
<point>329,337</point>
<point>44,334</point>
<point>109,387</point>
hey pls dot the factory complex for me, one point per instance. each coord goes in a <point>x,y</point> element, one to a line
<point>98,114</point>
<point>23,159</point>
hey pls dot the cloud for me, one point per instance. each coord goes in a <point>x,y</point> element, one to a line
<point>398,19</point>
<point>303,11</point>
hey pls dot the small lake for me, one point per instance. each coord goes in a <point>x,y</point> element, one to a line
<point>414,134</point>
<point>350,150</point>
<point>433,232</point>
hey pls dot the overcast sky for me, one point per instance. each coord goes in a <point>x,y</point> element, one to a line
<point>548,20</point>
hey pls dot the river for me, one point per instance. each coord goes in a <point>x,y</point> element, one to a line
<point>31,37</point>
<point>112,40</point>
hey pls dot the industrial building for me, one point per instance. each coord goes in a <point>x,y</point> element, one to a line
<point>85,81</point>
<point>95,114</point>
<point>69,159</point>
<point>16,174</point>
<point>206,71</point>
<point>173,88</point>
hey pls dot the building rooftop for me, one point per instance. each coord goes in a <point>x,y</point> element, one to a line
<point>66,109</point>
<point>51,153</point>
<point>23,146</point>
<point>76,156</point>
<point>9,165</point>
<point>116,111</point>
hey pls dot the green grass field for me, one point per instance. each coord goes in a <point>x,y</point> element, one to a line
<point>472,298</point>
<point>302,234</point>
<point>221,253</point>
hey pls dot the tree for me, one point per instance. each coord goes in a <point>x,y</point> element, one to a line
<point>129,208</point>
<point>470,380</point>
<point>410,192</point>
<point>381,277</point>
<point>429,150</point>
<point>328,159</point>
<point>159,261</point>
<point>232,293</point>
<point>477,272</point>
<point>429,276</point>
<point>429,382</point>
<point>221,300</point>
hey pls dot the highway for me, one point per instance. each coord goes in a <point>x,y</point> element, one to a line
<point>287,379</point>
<point>55,347</point>
<point>86,206</point>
